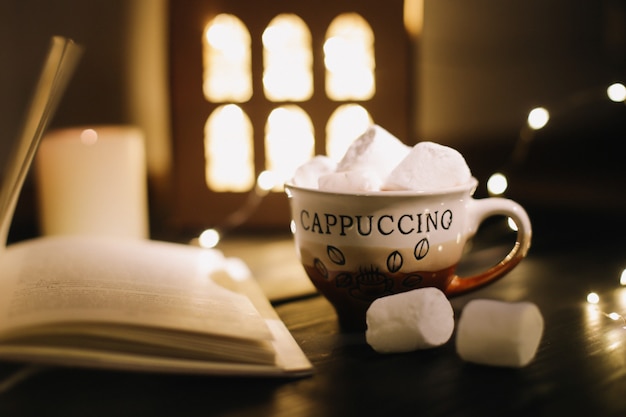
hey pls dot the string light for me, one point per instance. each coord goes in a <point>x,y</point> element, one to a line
<point>209,238</point>
<point>593,299</point>
<point>537,119</point>
<point>614,316</point>
<point>265,182</point>
<point>497,184</point>
<point>616,92</point>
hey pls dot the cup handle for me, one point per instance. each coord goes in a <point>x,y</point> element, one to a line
<point>479,210</point>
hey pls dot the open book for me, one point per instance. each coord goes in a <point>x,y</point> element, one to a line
<point>127,304</point>
<point>139,305</point>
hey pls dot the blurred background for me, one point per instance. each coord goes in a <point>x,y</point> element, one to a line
<point>465,74</point>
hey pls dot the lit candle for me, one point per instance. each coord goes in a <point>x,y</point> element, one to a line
<point>92,181</point>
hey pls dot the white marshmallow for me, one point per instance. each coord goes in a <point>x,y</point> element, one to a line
<point>429,166</point>
<point>408,321</point>
<point>350,181</point>
<point>498,333</point>
<point>376,150</point>
<point>307,175</point>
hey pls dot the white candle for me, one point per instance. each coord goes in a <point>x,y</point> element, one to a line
<point>92,181</point>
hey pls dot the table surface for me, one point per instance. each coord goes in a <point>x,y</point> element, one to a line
<point>579,369</point>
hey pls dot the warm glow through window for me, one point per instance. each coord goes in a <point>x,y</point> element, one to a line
<point>229,150</point>
<point>287,52</point>
<point>226,59</point>
<point>287,59</point>
<point>349,58</point>
<point>346,124</point>
<point>289,141</point>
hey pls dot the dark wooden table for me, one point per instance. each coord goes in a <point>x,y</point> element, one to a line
<point>579,370</point>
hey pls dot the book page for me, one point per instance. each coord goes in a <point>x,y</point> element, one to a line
<point>58,67</point>
<point>126,282</point>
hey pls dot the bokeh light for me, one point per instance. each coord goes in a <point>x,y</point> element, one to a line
<point>497,184</point>
<point>209,238</point>
<point>538,118</point>
<point>616,92</point>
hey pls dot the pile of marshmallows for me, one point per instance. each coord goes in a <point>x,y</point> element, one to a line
<point>489,332</point>
<point>378,161</point>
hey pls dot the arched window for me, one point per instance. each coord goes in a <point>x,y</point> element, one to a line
<point>346,123</point>
<point>349,58</point>
<point>305,83</point>
<point>228,148</point>
<point>289,141</point>
<point>287,59</point>
<point>226,59</point>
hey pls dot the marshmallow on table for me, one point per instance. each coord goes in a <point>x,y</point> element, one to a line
<point>308,174</point>
<point>350,181</point>
<point>376,150</point>
<point>429,166</point>
<point>499,333</point>
<point>408,321</point>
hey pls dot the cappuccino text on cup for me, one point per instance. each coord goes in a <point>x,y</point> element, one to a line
<point>356,247</point>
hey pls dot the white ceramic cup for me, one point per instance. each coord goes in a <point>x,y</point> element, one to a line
<point>359,247</point>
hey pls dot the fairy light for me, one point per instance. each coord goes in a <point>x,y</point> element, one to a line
<point>497,184</point>
<point>593,299</point>
<point>614,316</point>
<point>538,118</point>
<point>616,92</point>
<point>209,238</point>
<point>266,181</point>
